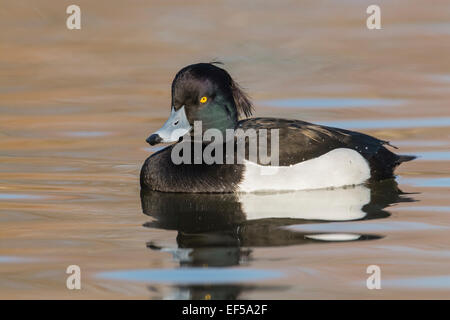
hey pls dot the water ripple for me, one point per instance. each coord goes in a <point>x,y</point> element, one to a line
<point>192,275</point>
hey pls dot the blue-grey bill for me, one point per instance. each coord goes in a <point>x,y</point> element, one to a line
<point>175,127</point>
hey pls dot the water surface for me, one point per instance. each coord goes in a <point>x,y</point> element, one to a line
<point>331,103</point>
<point>77,106</point>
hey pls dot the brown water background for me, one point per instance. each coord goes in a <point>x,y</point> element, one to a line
<point>77,105</point>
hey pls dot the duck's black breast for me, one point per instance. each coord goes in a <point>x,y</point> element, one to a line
<point>301,141</point>
<point>161,174</point>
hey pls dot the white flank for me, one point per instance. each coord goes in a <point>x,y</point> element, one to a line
<point>337,168</point>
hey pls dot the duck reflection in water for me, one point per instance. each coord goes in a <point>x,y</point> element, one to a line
<point>220,230</point>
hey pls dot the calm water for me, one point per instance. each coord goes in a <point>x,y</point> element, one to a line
<point>77,106</point>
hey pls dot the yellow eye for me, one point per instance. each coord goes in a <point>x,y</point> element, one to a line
<point>203,99</point>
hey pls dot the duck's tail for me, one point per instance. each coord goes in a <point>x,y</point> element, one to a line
<point>384,162</point>
<point>404,158</point>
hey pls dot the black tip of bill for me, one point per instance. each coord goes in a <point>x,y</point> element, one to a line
<point>154,139</point>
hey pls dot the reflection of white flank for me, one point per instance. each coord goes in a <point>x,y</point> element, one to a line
<point>179,254</point>
<point>337,168</point>
<point>337,204</point>
<point>334,236</point>
<point>179,293</point>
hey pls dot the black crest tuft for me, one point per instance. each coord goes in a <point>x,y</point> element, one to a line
<point>215,61</point>
<point>241,100</point>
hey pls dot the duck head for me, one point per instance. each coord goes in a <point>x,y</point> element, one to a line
<point>202,92</point>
